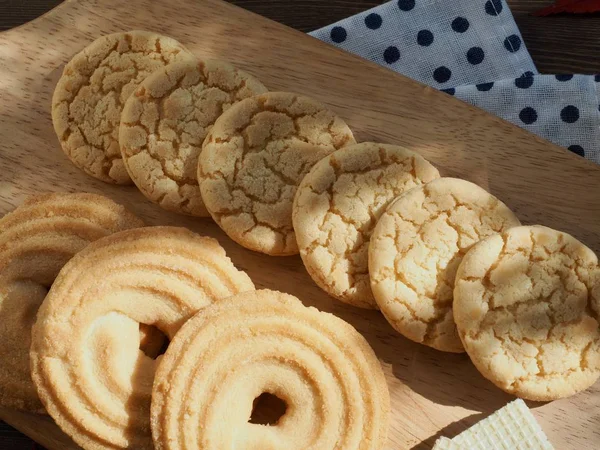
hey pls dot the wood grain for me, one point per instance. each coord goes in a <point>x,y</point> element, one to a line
<point>432,393</point>
<point>560,44</point>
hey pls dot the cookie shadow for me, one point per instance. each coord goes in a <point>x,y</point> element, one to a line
<point>450,431</point>
<point>443,378</point>
<point>137,431</point>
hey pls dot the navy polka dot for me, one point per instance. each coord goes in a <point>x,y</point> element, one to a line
<point>338,34</point>
<point>442,74</point>
<point>597,78</point>
<point>569,114</point>
<point>406,5</point>
<point>484,87</point>
<point>528,115</point>
<point>391,54</point>
<point>373,21</point>
<point>524,81</point>
<point>564,77</point>
<point>425,38</point>
<point>577,149</point>
<point>460,24</point>
<point>493,7</point>
<point>512,43</point>
<point>475,55</point>
<point>450,91</point>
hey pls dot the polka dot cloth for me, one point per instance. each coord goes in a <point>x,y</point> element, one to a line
<point>561,108</point>
<point>442,43</point>
<point>472,49</point>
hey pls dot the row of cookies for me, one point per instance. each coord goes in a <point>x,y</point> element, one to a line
<point>282,174</point>
<point>113,294</point>
<point>449,266</point>
<point>197,137</point>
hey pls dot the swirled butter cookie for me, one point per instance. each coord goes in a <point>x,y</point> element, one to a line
<point>36,240</point>
<point>416,248</point>
<point>225,357</point>
<point>337,206</point>
<point>110,310</point>
<point>527,307</point>
<point>253,160</point>
<point>165,121</point>
<point>89,97</point>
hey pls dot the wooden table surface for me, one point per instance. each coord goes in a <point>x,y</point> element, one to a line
<point>562,44</point>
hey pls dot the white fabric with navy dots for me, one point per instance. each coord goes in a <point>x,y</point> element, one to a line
<point>472,49</point>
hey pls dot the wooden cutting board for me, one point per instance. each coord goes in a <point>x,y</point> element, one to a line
<point>433,393</point>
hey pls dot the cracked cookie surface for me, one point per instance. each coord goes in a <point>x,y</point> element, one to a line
<point>416,248</point>
<point>165,121</point>
<point>527,305</point>
<point>337,206</point>
<point>253,160</point>
<point>89,97</point>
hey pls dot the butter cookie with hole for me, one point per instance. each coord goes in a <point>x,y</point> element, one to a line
<point>99,333</point>
<point>36,241</point>
<point>330,382</point>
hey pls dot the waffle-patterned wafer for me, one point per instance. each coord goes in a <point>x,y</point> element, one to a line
<point>510,428</point>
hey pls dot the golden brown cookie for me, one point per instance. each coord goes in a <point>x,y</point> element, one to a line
<point>89,97</point>
<point>527,309</point>
<point>105,319</point>
<point>225,357</point>
<point>337,206</point>
<point>416,248</point>
<point>165,121</point>
<point>36,240</point>
<point>254,158</point>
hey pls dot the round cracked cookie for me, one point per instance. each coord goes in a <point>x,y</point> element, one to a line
<point>527,309</point>
<point>415,251</point>
<point>36,240</point>
<point>89,97</point>
<point>337,206</point>
<point>165,121</point>
<point>98,335</point>
<point>230,355</point>
<point>253,160</point>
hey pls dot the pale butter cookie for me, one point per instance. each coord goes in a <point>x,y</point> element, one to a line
<point>165,121</point>
<point>527,309</point>
<point>331,382</point>
<point>89,97</point>
<point>416,248</point>
<point>97,332</point>
<point>337,206</point>
<point>36,240</point>
<point>253,160</point>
